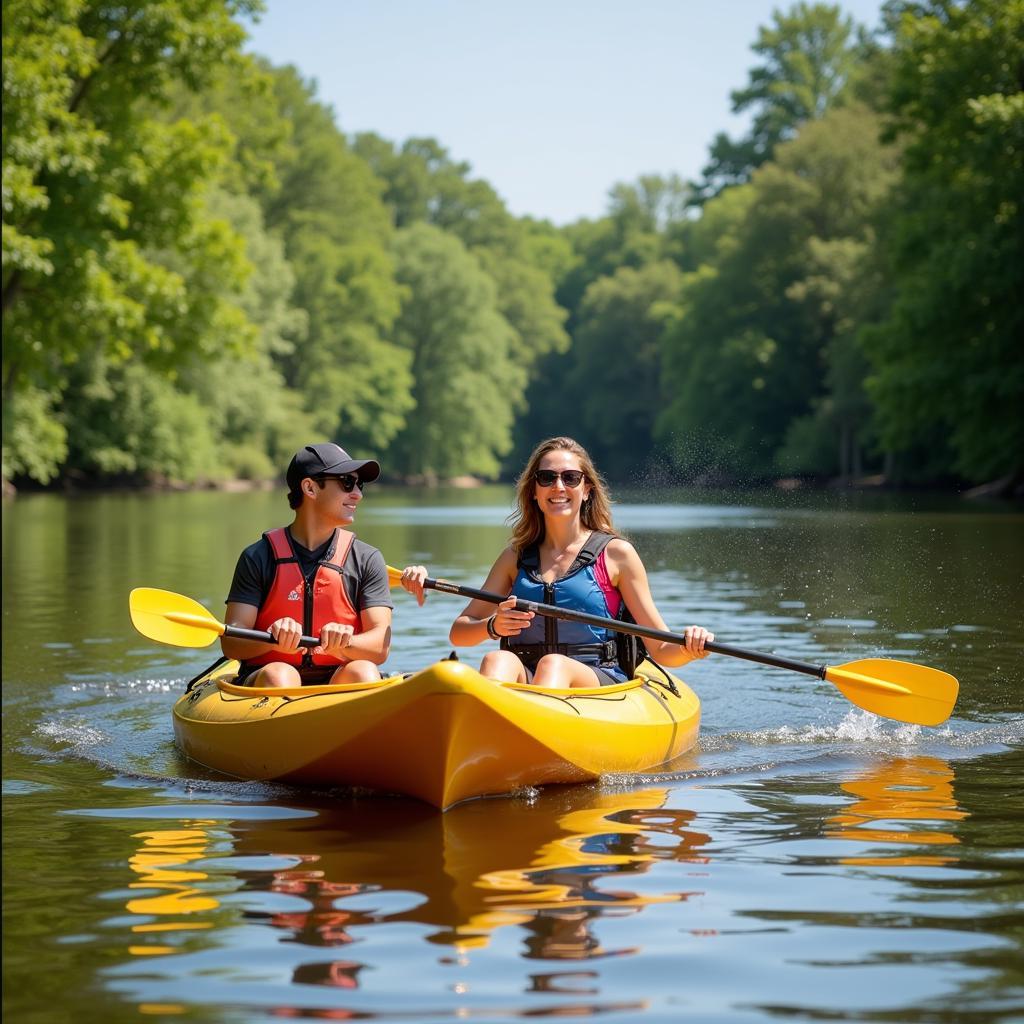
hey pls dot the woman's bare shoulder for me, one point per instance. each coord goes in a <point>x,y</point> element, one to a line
<point>620,549</point>
<point>509,556</point>
<point>505,565</point>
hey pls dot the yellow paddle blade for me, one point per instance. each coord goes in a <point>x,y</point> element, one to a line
<point>897,689</point>
<point>172,618</point>
<point>394,576</point>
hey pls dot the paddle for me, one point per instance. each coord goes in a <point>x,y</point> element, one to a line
<point>893,689</point>
<point>181,622</point>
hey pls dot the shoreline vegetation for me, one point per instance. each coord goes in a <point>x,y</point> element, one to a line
<point>202,271</point>
<point>1006,488</point>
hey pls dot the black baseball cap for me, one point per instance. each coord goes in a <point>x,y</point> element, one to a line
<point>327,459</point>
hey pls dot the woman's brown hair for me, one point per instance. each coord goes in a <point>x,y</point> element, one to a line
<point>528,521</point>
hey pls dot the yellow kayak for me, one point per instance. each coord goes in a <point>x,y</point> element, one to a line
<point>443,735</point>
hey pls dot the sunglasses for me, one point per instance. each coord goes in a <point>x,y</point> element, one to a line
<point>346,482</point>
<point>570,477</point>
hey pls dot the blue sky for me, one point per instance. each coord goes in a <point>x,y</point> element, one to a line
<point>551,101</point>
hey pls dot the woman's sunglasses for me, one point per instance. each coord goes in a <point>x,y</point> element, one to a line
<point>346,482</point>
<point>569,477</point>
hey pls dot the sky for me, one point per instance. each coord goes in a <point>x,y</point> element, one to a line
<point>551,101</point>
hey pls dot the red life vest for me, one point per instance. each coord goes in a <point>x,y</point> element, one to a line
<point>289,597</point>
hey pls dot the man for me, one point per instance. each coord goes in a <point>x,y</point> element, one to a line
<point>314,578</point>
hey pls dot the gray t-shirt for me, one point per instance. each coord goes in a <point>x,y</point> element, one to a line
<point>364,573</point>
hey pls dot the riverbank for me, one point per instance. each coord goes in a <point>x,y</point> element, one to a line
<point>1008,488</point>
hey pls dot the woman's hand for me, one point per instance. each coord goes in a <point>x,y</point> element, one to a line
<point>412,580</point>
<point>696,638</point>
<point>506,621</point>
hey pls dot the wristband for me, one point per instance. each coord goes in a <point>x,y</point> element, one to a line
<point>491,631</point>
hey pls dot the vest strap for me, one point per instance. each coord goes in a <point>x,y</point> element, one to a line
<point>280,545</point>
<point>607,651</point>
<point>337,552</point>
<point>529,558</point>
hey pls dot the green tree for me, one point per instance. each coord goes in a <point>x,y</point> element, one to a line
<point>423,183</point>
<point>644,218</point>
<point>257,420</point>
<point>336,233</point>
<point>467,383</point>
<point>226,415</point>
<point>647,222</point>
<point>130,421</point>
<point>617,374</point>
<point>35,441</point>
<point>808,55</point>
<point>948,363</point>
<point>108,255</point>
<point>842,294</point>
<point>766,309</point>
<point>334,373</point>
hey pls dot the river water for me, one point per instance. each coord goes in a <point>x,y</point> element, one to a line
<point>808,861</point>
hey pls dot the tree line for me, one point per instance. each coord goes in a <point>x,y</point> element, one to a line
<point>201,271</point>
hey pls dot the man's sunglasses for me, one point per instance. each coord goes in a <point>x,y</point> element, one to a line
<point>570,477</point>
<point>346,482</point>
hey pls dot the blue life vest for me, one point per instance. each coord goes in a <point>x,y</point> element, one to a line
<point>579,590</point>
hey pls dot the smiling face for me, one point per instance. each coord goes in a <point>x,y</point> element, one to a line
<point>331,501</point>
<point>559,499</point>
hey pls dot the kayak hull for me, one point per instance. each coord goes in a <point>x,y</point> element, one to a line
<point>442,735</point>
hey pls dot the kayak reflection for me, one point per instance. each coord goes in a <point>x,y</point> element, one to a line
<point>551,866</point>
<point>321,880</point>
<point>896,803</point>
<point>172,898</point>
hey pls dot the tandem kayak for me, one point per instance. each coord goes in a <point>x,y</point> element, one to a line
<point>442,735</point>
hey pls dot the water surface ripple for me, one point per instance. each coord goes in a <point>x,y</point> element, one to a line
<point>806,861</point>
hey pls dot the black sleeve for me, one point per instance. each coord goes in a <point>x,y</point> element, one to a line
<point>251,581</point>
<point>374,589</point>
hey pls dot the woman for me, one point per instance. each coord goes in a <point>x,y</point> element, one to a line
<point>565,551</point>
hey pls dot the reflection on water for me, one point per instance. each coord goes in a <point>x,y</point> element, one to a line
<point>467,879</point>
<point>892,795</point>
<point>553,868</point>
<point>829,892</point>
<point>160,865</point>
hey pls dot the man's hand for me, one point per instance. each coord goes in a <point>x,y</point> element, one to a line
<point>412,580</point>
<point>334,638</point>
<point>286,633</point>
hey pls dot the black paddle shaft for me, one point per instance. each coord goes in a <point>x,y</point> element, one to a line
<point>568,615</point>
<point>258,634</point>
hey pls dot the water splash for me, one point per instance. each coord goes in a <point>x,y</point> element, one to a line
<point>861,728</point>
<point>75,733</point>
<point>119,688</point>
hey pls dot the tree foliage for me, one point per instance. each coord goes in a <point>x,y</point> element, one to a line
<point>749,353</point>
<point>808,55</point>
<point>617,374</point>
<point>462,359</point>
<point>423,184</point>
<point>108,255</point>
<point>336,232</point>
<point>948,358</point>
<point>202,272</point>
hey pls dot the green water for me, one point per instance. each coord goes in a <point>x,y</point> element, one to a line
<point>808,861</point>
